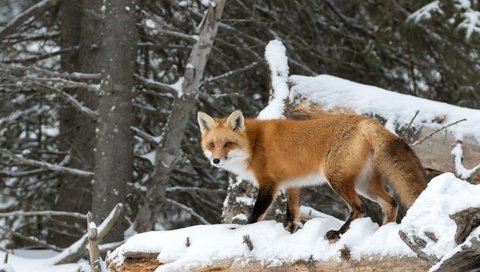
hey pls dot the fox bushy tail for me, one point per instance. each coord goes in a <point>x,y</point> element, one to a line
<point>396,161</point>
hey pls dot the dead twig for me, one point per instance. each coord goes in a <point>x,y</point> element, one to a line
<point>93,244</point>
<point>438,130</point>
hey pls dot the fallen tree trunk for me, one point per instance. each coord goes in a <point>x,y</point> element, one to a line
<point>148,262</point>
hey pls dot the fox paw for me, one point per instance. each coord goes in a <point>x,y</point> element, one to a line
<point>293,226</point>
<point>332,236</point>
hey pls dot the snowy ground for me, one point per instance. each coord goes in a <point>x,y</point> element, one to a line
<point>201,245</point>
<point>272,245</point>
<point>37,261</point>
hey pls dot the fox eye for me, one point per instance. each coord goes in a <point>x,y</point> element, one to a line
<point>228,144</point>
<point>211,145</point>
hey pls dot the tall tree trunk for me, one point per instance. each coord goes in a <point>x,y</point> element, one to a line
<point>114,151</point>
<point>167,152</point>
<point>79,26</point>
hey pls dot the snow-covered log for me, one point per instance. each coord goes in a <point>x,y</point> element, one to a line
<point>442,225</point>
<point>445,137</point>
<point>406,264</point>
<point>427,229</point>
<point>267,246</point>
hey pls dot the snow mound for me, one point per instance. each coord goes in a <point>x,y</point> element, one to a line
<point>272,244</point>
<point>331,92</point>
<point>276,56</point>
<point>444,196</point>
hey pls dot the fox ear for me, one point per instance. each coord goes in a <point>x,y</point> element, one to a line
<point>205,121</point>
<point>236,121</point>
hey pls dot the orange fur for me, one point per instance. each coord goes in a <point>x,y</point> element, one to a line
<point>350,152</point>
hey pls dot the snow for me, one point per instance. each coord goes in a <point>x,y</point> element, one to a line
<point>275,54</point>
<point>38,261</point>
<point>463,9</point>
<point>272,244</point>
<point>444,196</point>
<point>461,171</point>
<point>425,12</point>
<point>471,22</point>
<point>150,157</point>
<point>332,92</point>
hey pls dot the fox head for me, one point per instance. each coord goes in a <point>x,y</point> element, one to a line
<point>224,140</point>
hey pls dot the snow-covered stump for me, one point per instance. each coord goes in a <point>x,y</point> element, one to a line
<point>238,204</point>
<point>442,225</point>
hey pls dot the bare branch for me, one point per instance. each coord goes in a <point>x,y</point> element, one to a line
<point>188,209</point>
<point>35,69</point>
<point>16,22</point>
<point>64,83</point>
<point>195,189</point>
<point>438,130</point>
<point>181,35</point>
<point>46,165</point>
<point>75,252</point>
<point>43,56</point>
<point>30,239</point>
<point>74,102</point>
<point>142,134</point>
<point>157,85</point>
<point>232,72</point>
<point>18,174</point>
<point>44,213</point>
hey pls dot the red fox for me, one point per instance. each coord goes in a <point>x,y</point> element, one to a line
<point>349,152</point>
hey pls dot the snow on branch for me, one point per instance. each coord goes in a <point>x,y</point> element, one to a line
<point>461,171</point>
<point>425,12</point>
<point>463,9</point>
<point>46,165</point>
<point>276,56</point>
<point>470,23</point>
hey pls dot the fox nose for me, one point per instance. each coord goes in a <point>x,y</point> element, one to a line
<point>216,160</point>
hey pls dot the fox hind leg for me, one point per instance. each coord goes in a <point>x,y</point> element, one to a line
<point>376,192</point>
<point>344,187</point>
<point>294,198</point>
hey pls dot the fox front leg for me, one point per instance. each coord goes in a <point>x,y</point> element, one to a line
<point>266,195</point>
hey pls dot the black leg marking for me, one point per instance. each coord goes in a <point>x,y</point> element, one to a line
<point>264,200</point>
<point>334,235</point>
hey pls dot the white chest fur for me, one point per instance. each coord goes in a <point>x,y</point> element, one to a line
<point>237,163</point>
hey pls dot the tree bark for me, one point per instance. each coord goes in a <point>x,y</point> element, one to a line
<point>114,149</point>
<point>79,26</point>
<point>168,151</point>
<point>148,262</point>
